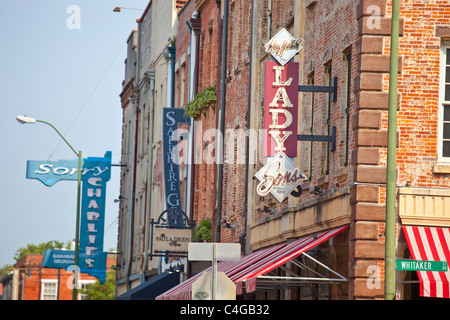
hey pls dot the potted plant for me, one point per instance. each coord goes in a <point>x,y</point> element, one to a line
<point>201,103</point>
<point>202,232</point>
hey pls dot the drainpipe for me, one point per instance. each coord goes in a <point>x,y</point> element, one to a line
<point>222,119</point>
<point>194,30</point>
<point>248,119</point>
<point>132,173</point>
<point>170,75</point>
<point>151,79</point>
<point>390,243</point>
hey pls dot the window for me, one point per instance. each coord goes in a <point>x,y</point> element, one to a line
<point>348,69</point>
<point>82,285</point>
<point>49,290</point>
<point>444,112</point>
<point>329,81</point>
<point>310,106</point>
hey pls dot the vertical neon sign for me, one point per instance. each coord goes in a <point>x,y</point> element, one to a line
<point>281,109</point>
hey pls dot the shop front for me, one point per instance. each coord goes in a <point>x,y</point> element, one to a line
<point>273,268</point>
<point>424,244</point>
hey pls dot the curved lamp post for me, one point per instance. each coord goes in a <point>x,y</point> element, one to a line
<point>119,9</point>
<point>24,120</point>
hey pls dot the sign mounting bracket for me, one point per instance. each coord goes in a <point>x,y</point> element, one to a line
<point>331,139</point>
<point>327,89</point>
<point>332,90</point>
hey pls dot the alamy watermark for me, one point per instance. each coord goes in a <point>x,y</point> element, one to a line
<point>374,21</point>
<point>373,281</point>
<point>73,21</point>
<point>213,147</point>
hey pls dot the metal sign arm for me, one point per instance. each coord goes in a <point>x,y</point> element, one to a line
<point>331,139</point>
<point>332,90</point>
<point>327,89</point>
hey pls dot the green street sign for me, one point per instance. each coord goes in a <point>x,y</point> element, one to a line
<point>416,265</point>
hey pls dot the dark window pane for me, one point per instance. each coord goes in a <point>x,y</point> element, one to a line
<point>447,75</point>
<point>447,131</point>
<point>447,92</point>
<point>448,56</point>
<point>446,113</point>
<point>446,149</point>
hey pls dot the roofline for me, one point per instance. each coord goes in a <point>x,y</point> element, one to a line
<point>145,11</point>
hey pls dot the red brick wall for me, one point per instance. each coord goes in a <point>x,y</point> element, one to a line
<point>205,189</point>
<point>237,91</point>
<point>419,89</point>
<point>204,196</point>
<point>30,289</point>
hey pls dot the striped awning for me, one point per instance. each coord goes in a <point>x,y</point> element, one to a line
<point>430,244</point>
<point>259,263</point>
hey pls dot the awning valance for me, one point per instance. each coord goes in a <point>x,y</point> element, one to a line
<point>254,266</point>
<point>430,244</point>
<point>150,289</point>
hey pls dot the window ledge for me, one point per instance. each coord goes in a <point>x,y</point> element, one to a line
<point>441,168</point>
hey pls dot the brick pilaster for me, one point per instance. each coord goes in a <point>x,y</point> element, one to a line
<point>368,211</point>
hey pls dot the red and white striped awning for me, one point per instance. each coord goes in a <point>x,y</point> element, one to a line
<point>430,244</point>
<point>256,264</point>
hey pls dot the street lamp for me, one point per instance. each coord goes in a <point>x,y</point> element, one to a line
<point>29,274</point>
<point>118,9</point>
<point>24,120</point>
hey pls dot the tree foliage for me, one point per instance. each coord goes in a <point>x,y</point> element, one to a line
<point>39,248</point>
<point>5,270</point>
<point>98,291</point>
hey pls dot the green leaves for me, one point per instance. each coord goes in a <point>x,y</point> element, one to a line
<point>39,248</point>
<point>201,103</point>
<point>202,232</point>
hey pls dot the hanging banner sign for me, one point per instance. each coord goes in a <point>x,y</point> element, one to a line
<point>51,172</point>
<point>170,234</point>
<point>92,259</point>
<point>172,117</point>
<point>171,239</point>
<point>94,176</point>
<point>280,176</point>
<point>281,109</point>
<point>58,259</point>
<point>283,46</point>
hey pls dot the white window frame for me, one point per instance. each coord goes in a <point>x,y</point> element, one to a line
<point>45,282</point>
<point>82,285</point>
<point>444,47</point>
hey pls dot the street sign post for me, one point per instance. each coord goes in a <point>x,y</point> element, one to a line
<point>225,290</point>
<point>214,252</point>
<point>417,265</point>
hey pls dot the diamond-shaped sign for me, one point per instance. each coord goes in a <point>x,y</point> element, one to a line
<point>280,176</point>
<point>283,46</point>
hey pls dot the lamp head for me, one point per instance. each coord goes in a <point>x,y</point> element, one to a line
<point>25,119</point>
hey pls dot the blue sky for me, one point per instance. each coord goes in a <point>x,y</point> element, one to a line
<point>72,78</point>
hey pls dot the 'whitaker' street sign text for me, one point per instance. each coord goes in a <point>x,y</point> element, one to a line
<point>416,265</point>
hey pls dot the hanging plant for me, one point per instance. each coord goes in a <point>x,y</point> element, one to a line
<point>201,103</point>
<point>202,232</point>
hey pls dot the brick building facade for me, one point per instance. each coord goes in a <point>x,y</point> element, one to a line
<point>31,281</point>
<point>346,186</point>
<point>350,40</point>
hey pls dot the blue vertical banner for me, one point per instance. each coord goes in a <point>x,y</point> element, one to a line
<point>172,117</point>
<point>91,258</point>
<point>96,172</point>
